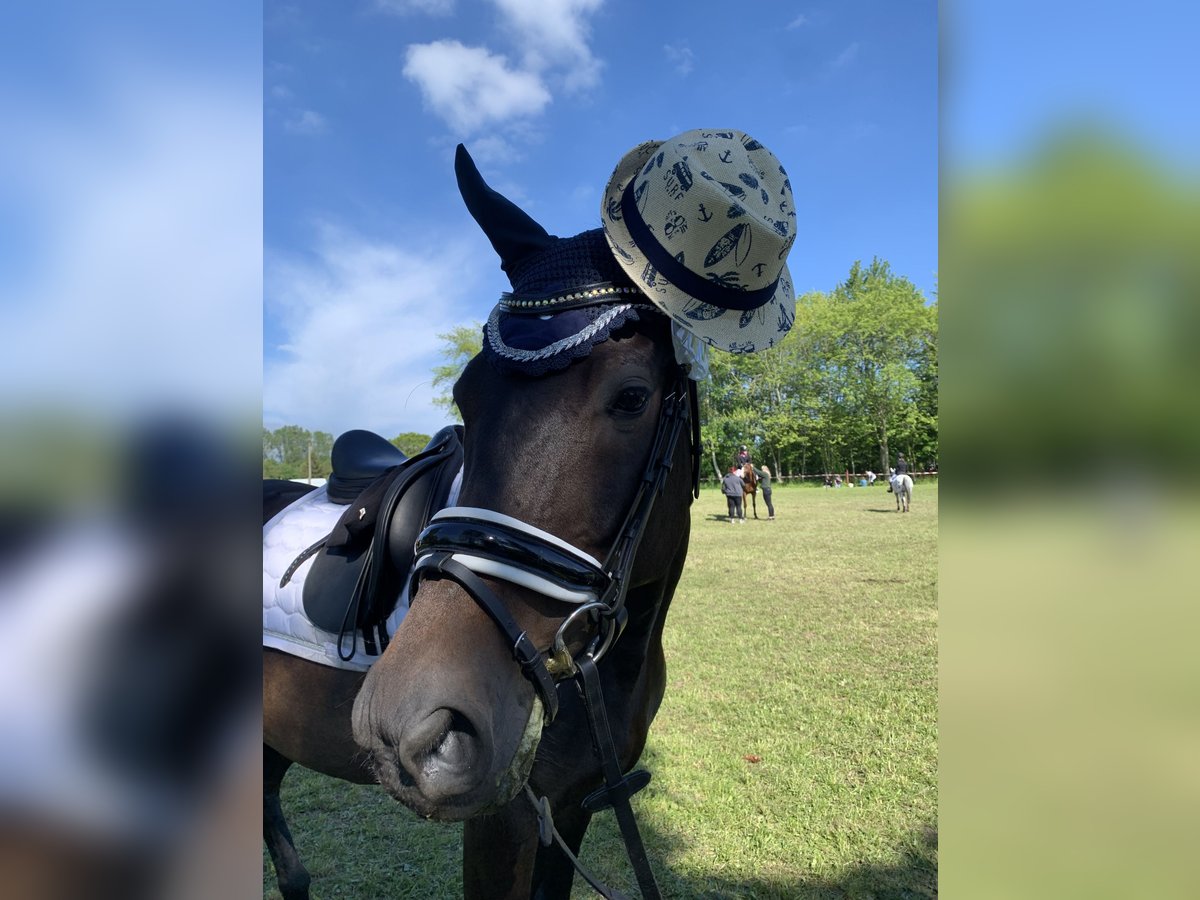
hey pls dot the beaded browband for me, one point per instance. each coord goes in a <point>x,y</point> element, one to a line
<point>588,295</point>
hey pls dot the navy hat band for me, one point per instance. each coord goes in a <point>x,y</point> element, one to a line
<point>681,276</point>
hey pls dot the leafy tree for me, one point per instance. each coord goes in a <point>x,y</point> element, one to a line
<point>292,444</point>
<point>322,452</point>
<point>411,443</point>
<point>273,468</point>
<point>292,452</point>
<point>879,330</point>
<point>460,344</point>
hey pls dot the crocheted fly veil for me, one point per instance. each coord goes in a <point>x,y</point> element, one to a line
<point>568,294</point>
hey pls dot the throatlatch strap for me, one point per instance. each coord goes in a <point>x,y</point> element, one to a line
<point>618,786</point>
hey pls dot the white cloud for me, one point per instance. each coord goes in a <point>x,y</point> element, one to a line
<point>360,320</point>
<point>495,149</point>
<point>304,121</point>
<point>681,56</point>
<point>553,34</point>
<point>846,57</point>
<point>798,22</point>
<point>469,87</point>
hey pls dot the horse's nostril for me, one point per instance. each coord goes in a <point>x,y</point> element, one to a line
<point>455,745</point>
<point>445,741</point>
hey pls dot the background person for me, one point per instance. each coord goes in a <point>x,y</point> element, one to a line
<point>764,484</point>
<point>733,487</point>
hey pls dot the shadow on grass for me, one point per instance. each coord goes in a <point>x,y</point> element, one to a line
<point>914,876</point>
<point>371,847</point>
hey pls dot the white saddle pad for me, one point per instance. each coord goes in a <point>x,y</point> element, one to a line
<point>285,625</point>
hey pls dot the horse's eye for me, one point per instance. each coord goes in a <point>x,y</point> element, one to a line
<point>630,401</point>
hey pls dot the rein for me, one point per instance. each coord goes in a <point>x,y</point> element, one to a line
<point>462,543</point>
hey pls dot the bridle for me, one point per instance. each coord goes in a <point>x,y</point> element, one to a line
<point>463,543</point>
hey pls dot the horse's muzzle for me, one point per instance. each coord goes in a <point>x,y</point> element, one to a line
<point>441,764</point>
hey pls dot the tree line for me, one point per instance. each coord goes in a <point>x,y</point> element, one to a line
<point>853,384</point>
<point>295,452</point>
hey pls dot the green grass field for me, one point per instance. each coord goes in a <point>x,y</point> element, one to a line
<point>808,644</point>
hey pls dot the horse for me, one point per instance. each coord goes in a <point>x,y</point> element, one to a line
<point>524,584</point>
<point>901,486</point>
<point>749,489</point>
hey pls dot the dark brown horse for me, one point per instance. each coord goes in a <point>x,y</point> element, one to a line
<point>457,719</point>
<point>749,489</point>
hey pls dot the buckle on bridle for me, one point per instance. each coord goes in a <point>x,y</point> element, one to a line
<point>524,652</point>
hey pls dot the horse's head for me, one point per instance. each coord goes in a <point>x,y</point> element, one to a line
<point>450,720</point>
<point>555,459</point>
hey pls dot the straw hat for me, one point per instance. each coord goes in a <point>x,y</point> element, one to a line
<point>703,223</point>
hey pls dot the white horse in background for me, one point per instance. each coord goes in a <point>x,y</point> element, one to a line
<point>901,486</point>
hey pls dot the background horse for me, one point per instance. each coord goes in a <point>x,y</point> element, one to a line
<point>749,489</point>
<point>901,486</point>
<point>455,718</point>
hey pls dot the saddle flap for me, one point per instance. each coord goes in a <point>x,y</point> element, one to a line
<point>356,579</point>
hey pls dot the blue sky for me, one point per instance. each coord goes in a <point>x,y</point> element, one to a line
<point>252,209</point>
<point>368,250</point>
<point>1014,72</point>
<point>131,209</point>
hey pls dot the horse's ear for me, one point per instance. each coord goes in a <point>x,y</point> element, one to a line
<point>513,233</point>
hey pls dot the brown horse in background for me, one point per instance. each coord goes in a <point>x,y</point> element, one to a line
<point>749,489</point>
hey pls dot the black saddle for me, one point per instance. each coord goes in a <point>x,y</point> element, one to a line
<point>359,573</point>
<point>358,458</point>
